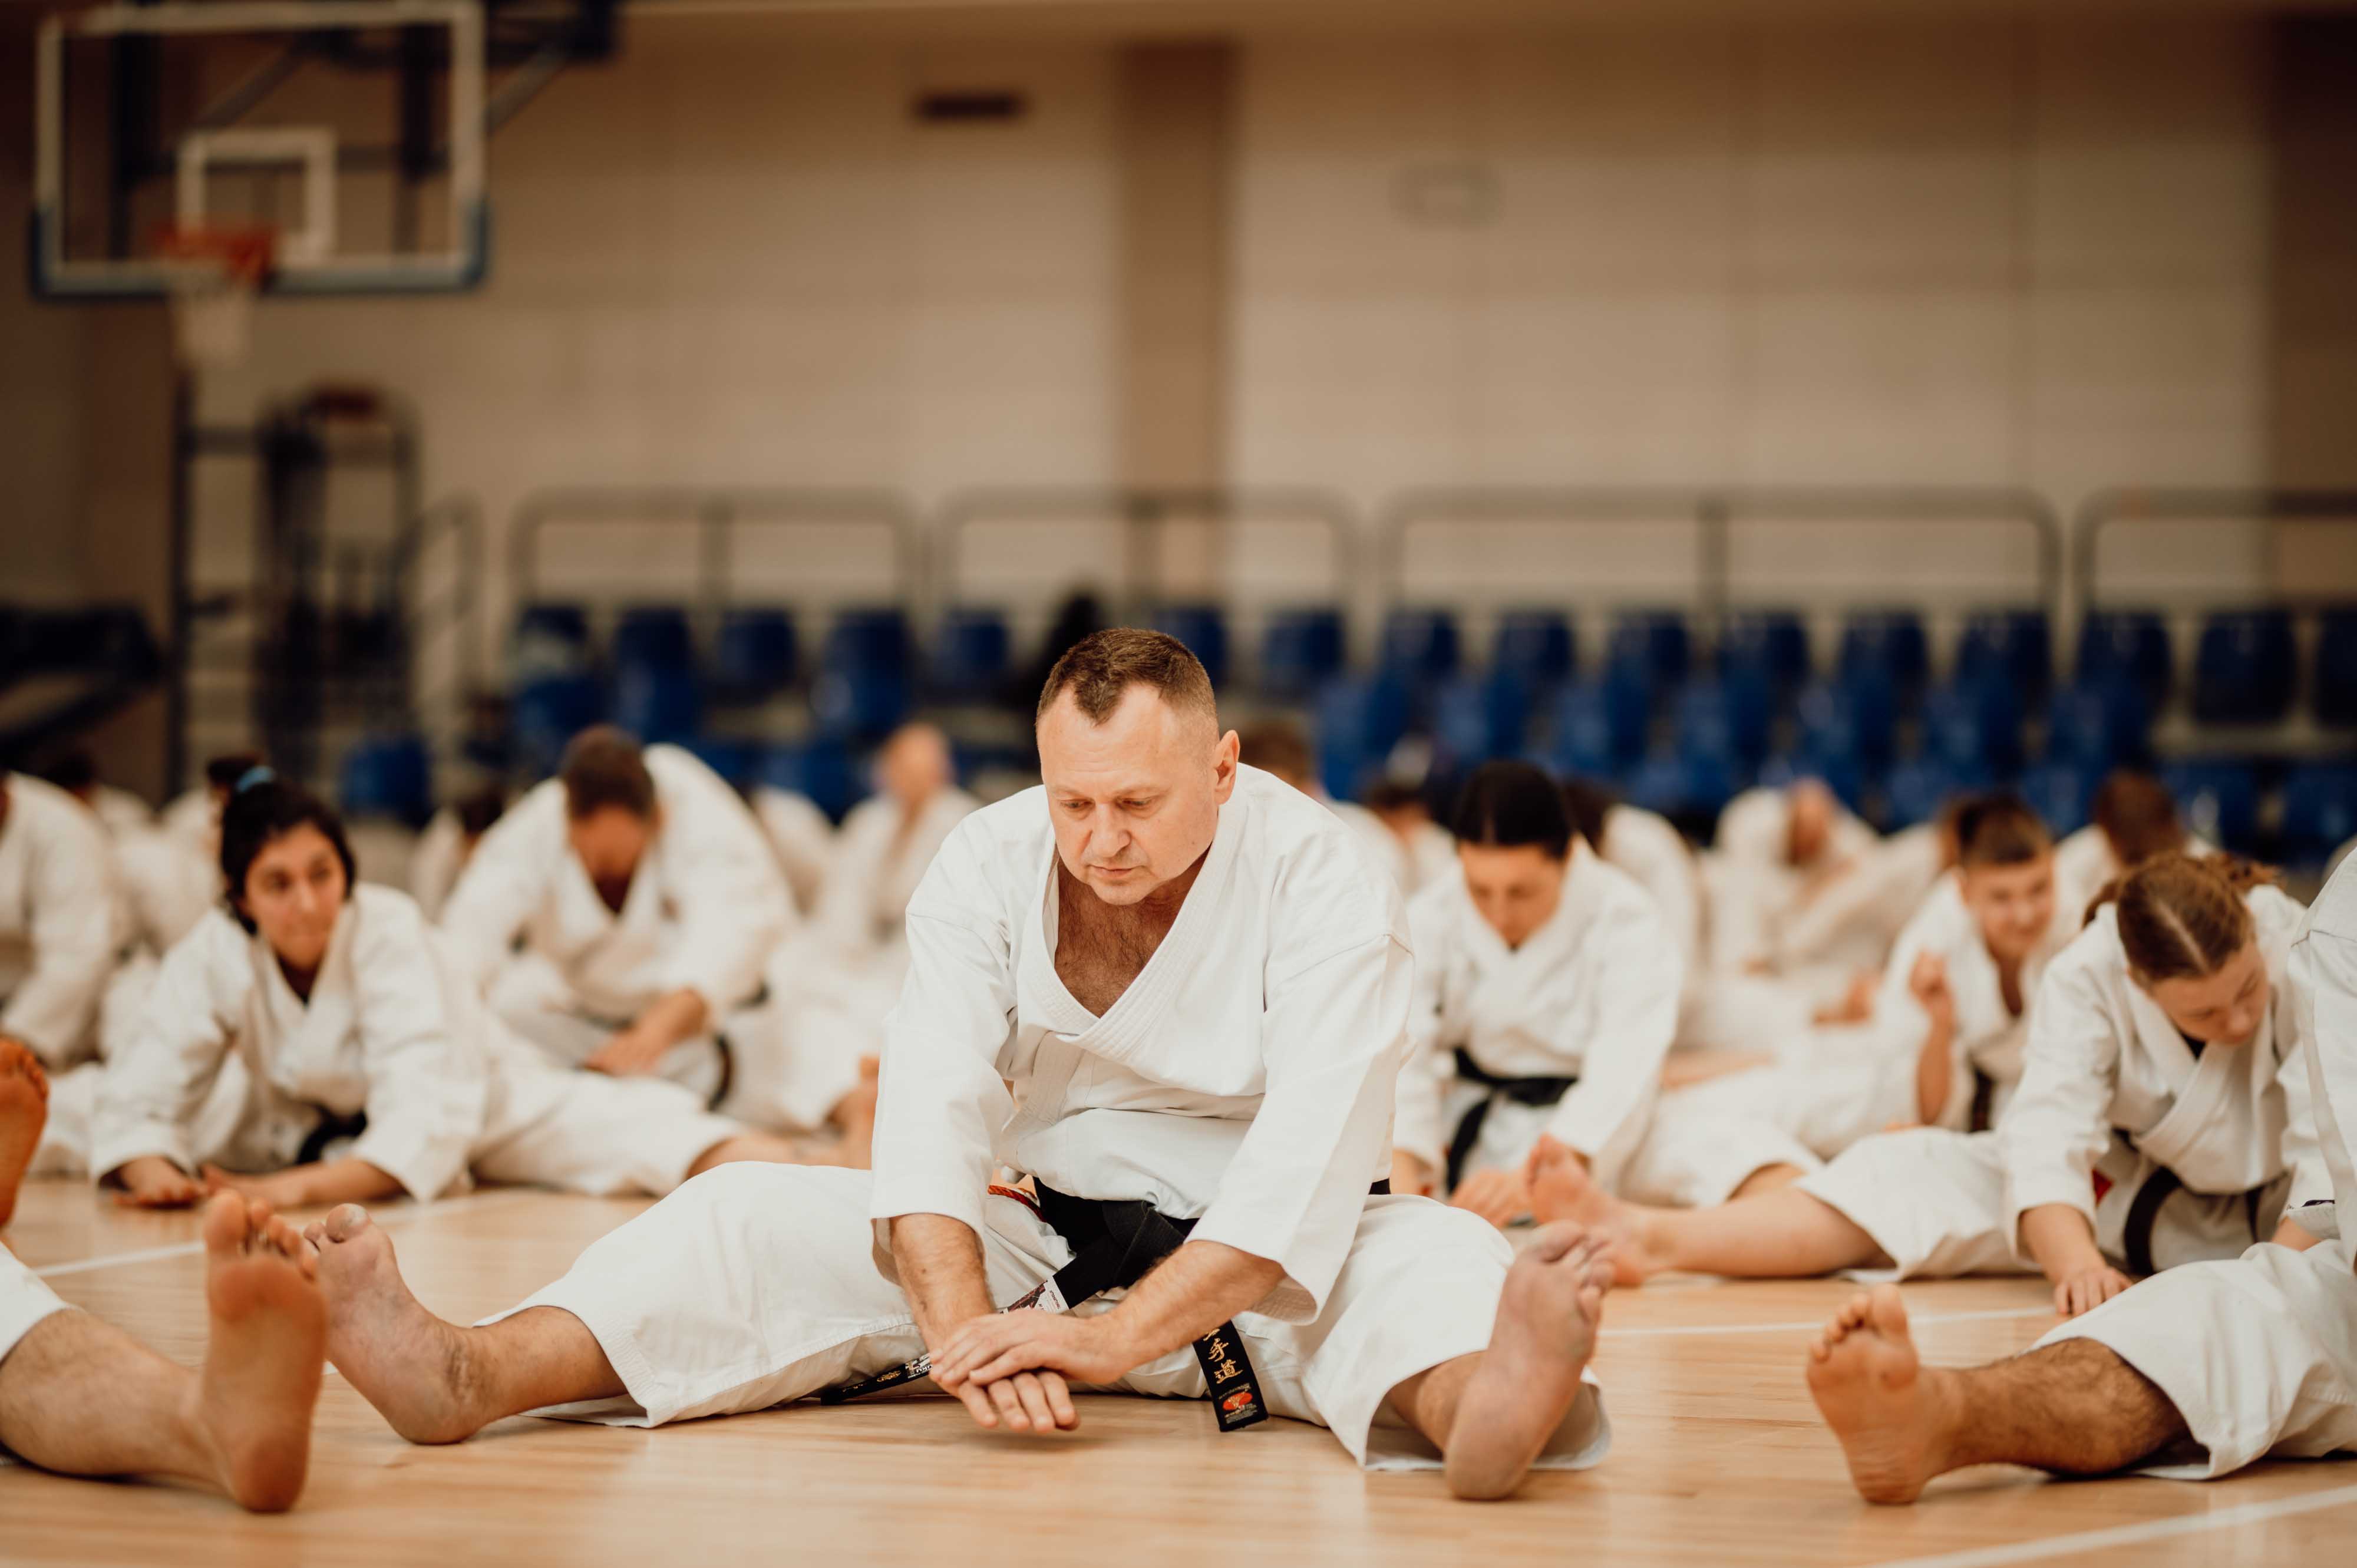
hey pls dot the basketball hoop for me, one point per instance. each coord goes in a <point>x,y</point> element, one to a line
<point>213,271</point>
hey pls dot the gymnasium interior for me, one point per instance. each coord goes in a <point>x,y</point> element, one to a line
<point>1692,397</point>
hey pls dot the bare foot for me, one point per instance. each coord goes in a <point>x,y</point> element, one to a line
<point>404,1361</point>
<point>263,1357</point>
<point>24,1109</point>
<point>1890,1412</point>
<point>1561,1188</point>
<point>854,1113</point>
<point>1545,1331</point>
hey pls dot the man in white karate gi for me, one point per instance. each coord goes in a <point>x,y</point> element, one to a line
<point>650,913</point>
<point>1197,989</point>
<point>2194,1373</point>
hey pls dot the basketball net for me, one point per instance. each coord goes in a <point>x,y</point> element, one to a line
<point>214,271</point>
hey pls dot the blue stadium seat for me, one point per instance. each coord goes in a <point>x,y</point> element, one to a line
<point>1916,791</point>
<point>972,653</point>
<point>388,776</point>
<point>2336,668</point>
<point>1975,722</point>
<point>2016,647</point>
<point>875,638</point>
<point>1688,788</point>
<point>1478,717</point>
<point>733,760</point>
<point>548,711</point>
<point>658,704</point>
<point>1535,647</point>
<point>1420,647</point>
<point>1842,774</point>
<point>548,639</point>
<point>2319,810</point>
<point>2217,798</point>
<point>1773,644</point>
<point>1854,715</point>
<point>1654,643</point>
<point>1358,722</point>
<point>2242,671</point>
<point>1890,643</point>
<point>1300,652</point>
<point>1203,628</point>
<point>653,637</point>
<point>2098,724</point>
<point>820,770</point>
<point>1599,726</point>
<point>756,654</point>
<point>1726,718</point>
<point>2060,793</point>
<point>2126,644</point>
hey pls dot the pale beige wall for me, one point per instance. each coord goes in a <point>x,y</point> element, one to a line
<point>1938,252</point>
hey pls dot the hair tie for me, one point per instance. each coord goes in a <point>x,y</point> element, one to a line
<point>260,774</point>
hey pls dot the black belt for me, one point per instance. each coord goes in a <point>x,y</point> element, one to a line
<point>2144,1213</point>
<point>330,1128</point>
<point>1115,1243</point>
<point>1520,1090</point>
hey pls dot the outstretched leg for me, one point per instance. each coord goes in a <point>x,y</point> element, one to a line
<point>80,1397</point>
<point>435,1382</point>
<point>24,1111</point>
<point>2073,1407</point>
<point>1778,1233</point>
<point>1490,1415</point>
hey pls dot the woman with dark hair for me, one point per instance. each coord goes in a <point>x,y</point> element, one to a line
<point>2157,1071</point>
<point>2135,819</point>
<point>1546,996</point>
<point>373,1068</point>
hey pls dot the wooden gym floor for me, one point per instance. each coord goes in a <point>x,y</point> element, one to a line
<point>1719,1457</point>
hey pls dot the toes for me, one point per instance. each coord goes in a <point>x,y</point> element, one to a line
<point>1887,1310</point>
<point>226,1225</point>
<point>345,1221</point>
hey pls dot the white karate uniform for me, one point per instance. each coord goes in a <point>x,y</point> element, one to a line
<point>707,910</point>
<point>802,837</point>
<point>24,1301</point>
<point>121,811</point>
<point>2259,1355</point>
<point>1431,858</point>
<point>193,816</point>
<point>392,1032</point>
<point>880,859</point>
<point>435,863</point>
<point>1245,1078</point>
<point>1656,855</point>
<point>1592,994</point>
<point>2108,1086</point>
<point>63,922</point>
<point>1854,1080</point>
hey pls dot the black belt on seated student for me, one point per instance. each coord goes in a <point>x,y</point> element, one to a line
<point>330,1129</point>
<point>1115,1243</point>
<point>1520,1090</point>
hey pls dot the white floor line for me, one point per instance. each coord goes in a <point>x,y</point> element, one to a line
<point>388,1218</point>
<point>1916,1318</point>
<point>2134,1535</point>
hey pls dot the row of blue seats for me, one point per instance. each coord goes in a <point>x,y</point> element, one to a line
<point>2244,667</point>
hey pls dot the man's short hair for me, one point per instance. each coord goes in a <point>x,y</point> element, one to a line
<point>1101,668</point>
<point>604,767</point>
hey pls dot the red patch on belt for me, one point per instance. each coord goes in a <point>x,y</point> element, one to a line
<point>2102,1186</point>
<point>1017,1194</point>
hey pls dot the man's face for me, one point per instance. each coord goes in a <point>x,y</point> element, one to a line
<point>1515,889</point>
<point>1812,821</point>
<point>1136,798</point>
<point>610,841</point>
<point>915,765</point>
<point>2013,904</point>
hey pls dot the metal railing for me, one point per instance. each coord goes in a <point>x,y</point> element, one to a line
<point>2106,510</point>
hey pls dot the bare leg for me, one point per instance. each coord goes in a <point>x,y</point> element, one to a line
<point>2073,1407</point>
<point>24,1111</point>
<point>763,1148</point>
<point>1492,1413</point>
<point>85,1399</point>
<point>434,1381</point>
<point>1775,1234</point>
<point>854,1113</point>
<point>1768,1178</point>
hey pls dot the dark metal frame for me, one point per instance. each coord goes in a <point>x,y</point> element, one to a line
<point>2108,508</point>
